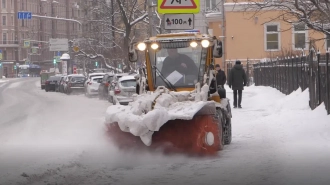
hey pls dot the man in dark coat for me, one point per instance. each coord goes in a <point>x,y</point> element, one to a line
<point>179,62</point>
<point>237,81</point>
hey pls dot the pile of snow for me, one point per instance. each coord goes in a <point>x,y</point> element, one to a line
<point>148,112</point>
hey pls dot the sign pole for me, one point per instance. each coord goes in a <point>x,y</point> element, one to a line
<point>151,18</point>
<point>223,34</point>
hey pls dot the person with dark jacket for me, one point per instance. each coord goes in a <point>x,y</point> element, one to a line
<point>237,81</point>
<point>176,61</point>
<point>221,76</point>
<point>221,80</point>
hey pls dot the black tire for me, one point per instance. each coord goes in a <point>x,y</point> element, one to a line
<point>219,117</point>
<point>227,132</point>
<point>46,89</point>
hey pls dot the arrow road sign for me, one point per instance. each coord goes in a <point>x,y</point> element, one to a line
<point>179,21</point>
<point>178,6</point>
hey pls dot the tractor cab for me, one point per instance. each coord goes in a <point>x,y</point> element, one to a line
<point>178,60</point>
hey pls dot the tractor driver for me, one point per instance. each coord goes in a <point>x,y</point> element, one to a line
<point>179,62</point>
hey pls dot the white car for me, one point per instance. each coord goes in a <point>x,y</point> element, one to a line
<point>93,86</point>
<point>89,76</point>
<point>121,92</point>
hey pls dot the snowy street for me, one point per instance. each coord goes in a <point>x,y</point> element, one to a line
<point>52,138</point>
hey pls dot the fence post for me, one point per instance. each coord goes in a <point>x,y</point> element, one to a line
<point>318,78</point>
<point>327,81</point>
<point>297,71</point>
<point>248,72</point>
<point>292,76</point>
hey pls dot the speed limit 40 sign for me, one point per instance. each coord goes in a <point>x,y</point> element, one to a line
<point>179,21</point>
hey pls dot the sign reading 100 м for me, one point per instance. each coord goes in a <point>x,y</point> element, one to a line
<point>179,21</point>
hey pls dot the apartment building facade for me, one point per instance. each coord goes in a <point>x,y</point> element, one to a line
<point>38,31</point>
<point>256,38</point>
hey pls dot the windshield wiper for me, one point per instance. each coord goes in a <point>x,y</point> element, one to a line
<point>168,83</point>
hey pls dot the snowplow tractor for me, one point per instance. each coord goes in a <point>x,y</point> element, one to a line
<point>177,107</point>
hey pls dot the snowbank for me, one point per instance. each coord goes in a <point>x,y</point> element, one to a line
<point>150,111</point>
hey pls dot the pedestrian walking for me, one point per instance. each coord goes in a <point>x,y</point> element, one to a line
<point>237,81</point>
<point>221,80</point>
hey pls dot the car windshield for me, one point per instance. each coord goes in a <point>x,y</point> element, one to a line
<point>97,80</point>
<point>128,83</point>
<point>77,79</point>
<point>182,67</point>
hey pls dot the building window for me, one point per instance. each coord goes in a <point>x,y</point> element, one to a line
<point>12,20</point>
<point>210,5</point>
<point>272,36</point>
<point>4,20</point>
<point>299,36</point>
<point>3,4</point>
<point>4,38</point>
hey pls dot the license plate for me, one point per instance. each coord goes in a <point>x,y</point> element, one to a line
<point>79,85</point>
<point>52,83</point>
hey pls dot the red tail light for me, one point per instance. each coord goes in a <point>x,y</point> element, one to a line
<point>47,82</point>
<point>107,84</point>
<point>117,91</point>
<point>90,83</point>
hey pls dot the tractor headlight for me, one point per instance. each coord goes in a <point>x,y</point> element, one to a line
<point>193,44</point>
<point>205,43</point>
<point>142,46</point>
<point>154,46</point>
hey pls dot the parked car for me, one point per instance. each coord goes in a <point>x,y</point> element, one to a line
<point>51,83</point>
<point>66,81</point>
<point>121,91</point>
<point>93,86</point>
<point>103,87</point>
<point>75,84</point>
<point>90,75</point>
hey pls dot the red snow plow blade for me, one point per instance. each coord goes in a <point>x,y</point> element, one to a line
<point>200,136</point>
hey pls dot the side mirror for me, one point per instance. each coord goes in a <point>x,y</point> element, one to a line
<point>132,53</point>
<point>217,48</point>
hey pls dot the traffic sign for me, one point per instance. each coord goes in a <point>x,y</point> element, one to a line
<point>74,69</point>
<point>179,21</point>
<point>24,15</point>
<point>178,6</point>
<point>58,45</point>
<point>26,44</point>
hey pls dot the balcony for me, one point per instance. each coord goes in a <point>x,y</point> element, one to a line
<point>9,43</point>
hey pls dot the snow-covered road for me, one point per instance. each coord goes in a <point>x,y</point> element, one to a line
<point>52,138</point>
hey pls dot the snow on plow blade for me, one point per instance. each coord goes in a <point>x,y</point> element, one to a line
<point>199,136</point>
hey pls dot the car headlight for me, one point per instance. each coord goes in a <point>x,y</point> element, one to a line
<point>142,46</point>
<point>205,43</point>
<point>154,46</point>
<point>193,44</point>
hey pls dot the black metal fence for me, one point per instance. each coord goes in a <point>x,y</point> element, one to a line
<point>290,73</point>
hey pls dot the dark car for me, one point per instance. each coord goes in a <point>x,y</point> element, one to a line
<point>51,83</point>
<point>76,84</point>
<point>103,87</point>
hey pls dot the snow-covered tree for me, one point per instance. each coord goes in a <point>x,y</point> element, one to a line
<point>111,25</point>
<point>313,13</point>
